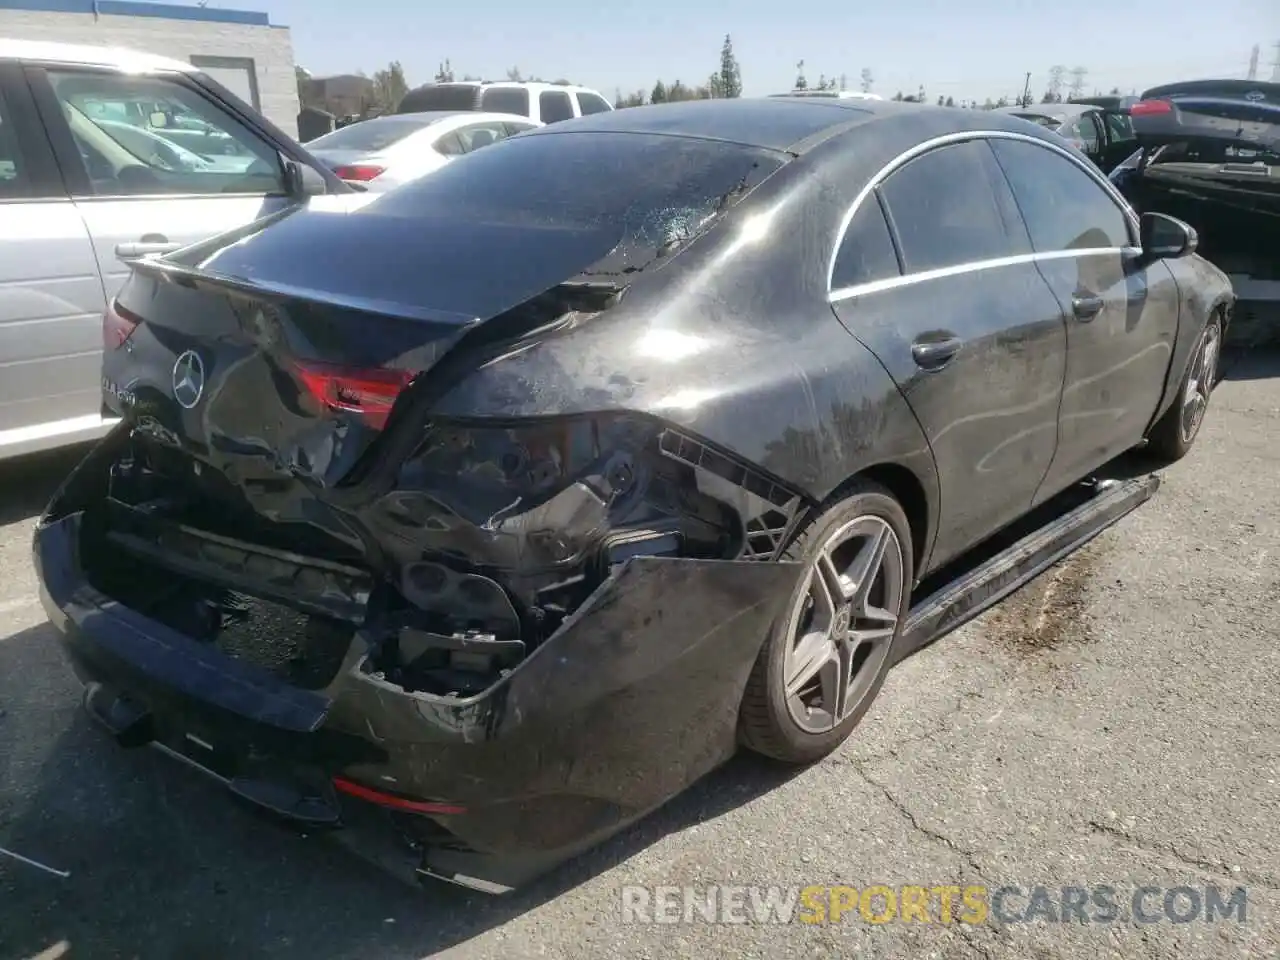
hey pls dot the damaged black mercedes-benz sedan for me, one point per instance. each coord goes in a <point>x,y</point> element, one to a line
<point>500,508</point>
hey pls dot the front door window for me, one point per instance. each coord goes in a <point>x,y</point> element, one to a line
<point>146,136</point>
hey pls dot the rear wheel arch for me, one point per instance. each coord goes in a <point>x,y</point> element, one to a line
<point>910,492</point>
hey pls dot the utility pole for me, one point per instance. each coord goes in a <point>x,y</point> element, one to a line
<point>1275,64</point>
<point>1253,62</point>
<point>1026,91</point>
<point>1077,80</point>
<point>1056,73</point>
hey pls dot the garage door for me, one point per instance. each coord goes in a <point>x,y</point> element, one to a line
<point>237,74</point>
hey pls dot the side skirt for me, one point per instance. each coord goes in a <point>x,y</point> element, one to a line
<point>972,592</point>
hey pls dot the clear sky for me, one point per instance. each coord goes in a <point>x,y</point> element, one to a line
<point>960,48</point>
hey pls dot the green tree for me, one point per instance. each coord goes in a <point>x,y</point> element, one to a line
<point>950,102</point>
<point>1002,102</point>
<point>514,74</point>
<point>899,97</point>
<point>635,99</point>
<point>867,80</point>
<point>1115,91</point>
<point>389,87</point>
<point>801,82</point>
<point>677,92</point>
<point>445,73</point>
<point>659,94</point>
<point>730,73</point>
<point>989,105</point>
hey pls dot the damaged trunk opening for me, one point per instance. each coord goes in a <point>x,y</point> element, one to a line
<point>492,536</point>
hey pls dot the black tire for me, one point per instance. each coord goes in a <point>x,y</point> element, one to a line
<point>766,723</point>
<point>1170,439</point>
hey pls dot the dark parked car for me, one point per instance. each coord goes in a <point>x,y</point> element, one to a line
<point>507,505</point>
<point>1101,132</point>
<point>1210,155</point>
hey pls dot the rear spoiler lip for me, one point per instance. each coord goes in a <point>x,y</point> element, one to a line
<point>167,270</point>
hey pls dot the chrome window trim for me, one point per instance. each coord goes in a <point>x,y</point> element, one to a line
<point>964,136</point>
<point>892,283</point>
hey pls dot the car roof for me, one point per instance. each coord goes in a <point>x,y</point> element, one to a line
<point>1049,109</point>
<point>522,84</point>
<point>117,57</point>
<point>791,124</point>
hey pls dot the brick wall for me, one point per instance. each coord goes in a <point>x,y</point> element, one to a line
<point>271,48</point>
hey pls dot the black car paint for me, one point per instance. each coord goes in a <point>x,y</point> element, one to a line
<point>732,356</point>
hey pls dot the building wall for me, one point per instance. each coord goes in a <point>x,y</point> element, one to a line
<point>180,38</point>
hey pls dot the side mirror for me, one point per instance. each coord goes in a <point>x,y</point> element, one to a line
<point>1167,238</point>
<point>301,180</point>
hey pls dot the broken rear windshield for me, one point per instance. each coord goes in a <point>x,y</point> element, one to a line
<point>654,192</point>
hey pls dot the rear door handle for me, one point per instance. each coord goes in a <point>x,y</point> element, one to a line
<point>935,354</point>
<point>1086,308</point>
<point>133,251</point>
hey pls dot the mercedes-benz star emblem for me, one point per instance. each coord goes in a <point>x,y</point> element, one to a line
<point>1255,95</point>
<point>188,379</point>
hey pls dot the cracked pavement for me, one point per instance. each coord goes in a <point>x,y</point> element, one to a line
<point>1114,723</point>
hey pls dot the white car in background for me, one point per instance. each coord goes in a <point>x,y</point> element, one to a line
<point>384,152</point>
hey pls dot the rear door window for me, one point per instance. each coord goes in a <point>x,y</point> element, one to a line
<point>1064,208</point>
<point>554,106</point>
<point>477,135</point>
<point>505,100</point>
<point>866,254</point>
<point>947,209</point>
<point>589,103</point>
<point>451,145</point>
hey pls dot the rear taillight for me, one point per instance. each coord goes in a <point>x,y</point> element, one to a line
<point>1150,108</point>
<point>360,172</point>
<point>118,325</point>
<point>369,393</point>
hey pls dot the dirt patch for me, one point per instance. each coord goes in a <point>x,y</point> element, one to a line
<point>1047,612</point>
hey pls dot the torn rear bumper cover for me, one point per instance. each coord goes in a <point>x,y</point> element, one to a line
<point>633,698</point>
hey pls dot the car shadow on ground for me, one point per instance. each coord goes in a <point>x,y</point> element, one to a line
<point>1258,363</point>
<point>27,483</point>
<point>164,863</point>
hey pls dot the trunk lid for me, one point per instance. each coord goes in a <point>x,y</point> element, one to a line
<point>274,354</point>
<point>1212,142</point>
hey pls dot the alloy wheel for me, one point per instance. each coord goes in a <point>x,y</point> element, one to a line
<point>1195,398</point>
<point>843,623</point>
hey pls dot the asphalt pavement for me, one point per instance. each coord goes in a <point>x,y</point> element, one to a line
<point>1114,725</point>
